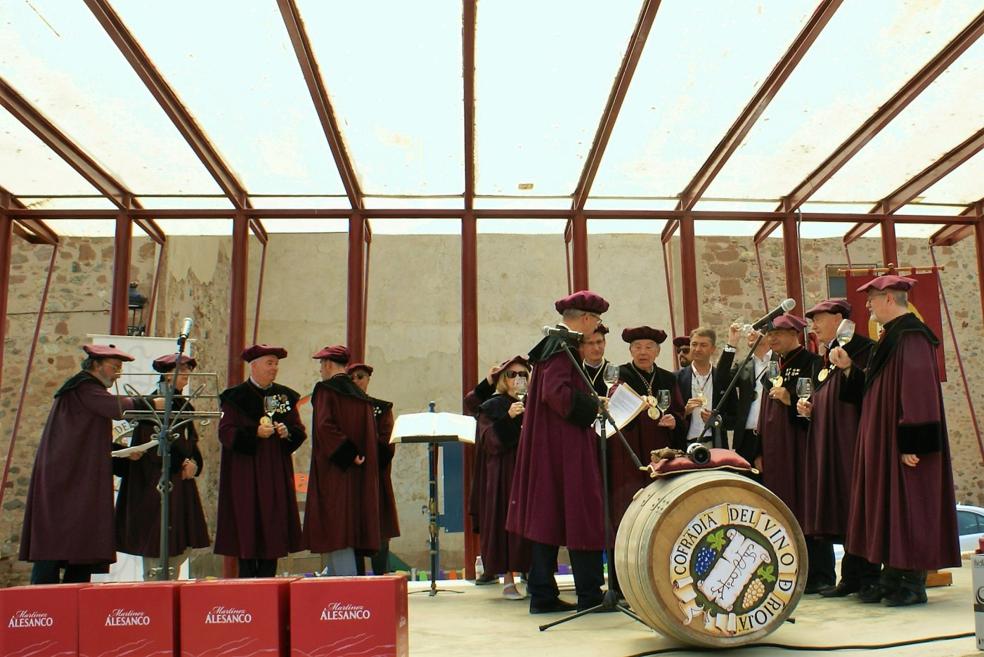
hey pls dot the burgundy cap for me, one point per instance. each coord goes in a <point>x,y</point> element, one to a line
<point>888,282</point>
<point>643,333</point>
<point>106,351</point>
<point>838,306</point>
<point>522,360</point>
<point>259,350</point>
<point>337,353</point>
<point>585,300</point>
<point>681,341</point>
<point>166,363</point>
<point>602,329</point>
<point>788,322</point>
<point>358,366</point>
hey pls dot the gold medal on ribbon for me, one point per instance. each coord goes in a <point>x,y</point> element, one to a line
<point>653,413</point>
<point>824,373</point>
<point>777,382</point>
<point>265,421</point>
<point>651,400</point>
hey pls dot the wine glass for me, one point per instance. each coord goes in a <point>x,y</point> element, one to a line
<point>804,388</point>
<point>772,372</point>
<point>663,400</point>
<point>845,332</point>
<point>520,386</point>
<point>609,374</point>
<point>270,406</point>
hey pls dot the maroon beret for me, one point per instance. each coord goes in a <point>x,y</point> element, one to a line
<point>166,363</point>
<point>838,306</point>
<point>358,366</point>
<point>788,322</point>
<point>585,300</point>
<point>643,333</point>
<point>681,341</point>
<point>522,360</point>
<point>337,353</point>
<point>259,350</point>
<point>602,329</point>
<point>106,351</point>
<point>888,282</point>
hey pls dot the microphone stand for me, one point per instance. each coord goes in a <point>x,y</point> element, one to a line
<point>164,486</point>
<point>715,417</point>
<point>610,600</point>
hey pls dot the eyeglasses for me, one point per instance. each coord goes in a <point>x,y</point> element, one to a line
<point>360,375</point>
<point>512,374</point>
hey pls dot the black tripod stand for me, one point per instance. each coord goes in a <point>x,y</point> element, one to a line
<point>610,600</point>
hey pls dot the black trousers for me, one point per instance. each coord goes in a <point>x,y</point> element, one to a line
<point>588,576</point>
<point>49,572</point>
<point>858,571</point>
<point>249,568</point>
<point>822,563</point>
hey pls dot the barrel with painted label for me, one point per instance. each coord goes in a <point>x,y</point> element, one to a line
<point>710,558</point>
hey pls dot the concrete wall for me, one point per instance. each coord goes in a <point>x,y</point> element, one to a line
<point>414,337</point>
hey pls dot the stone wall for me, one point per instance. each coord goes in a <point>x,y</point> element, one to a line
<point>413,336</point>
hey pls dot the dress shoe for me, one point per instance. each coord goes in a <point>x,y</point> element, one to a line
<point>488,578</point>
<point>552,606</point>
<point>871,593</point>
<point>816,587</point>
<point>843,589</point>
<point>904,597</point>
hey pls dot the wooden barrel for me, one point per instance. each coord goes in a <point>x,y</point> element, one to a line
<point>710,558</point>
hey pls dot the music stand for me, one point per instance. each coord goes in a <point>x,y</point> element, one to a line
<point>434,429</point>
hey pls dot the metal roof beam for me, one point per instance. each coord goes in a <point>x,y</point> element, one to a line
<point>469,16</point>
<point>616,97</point>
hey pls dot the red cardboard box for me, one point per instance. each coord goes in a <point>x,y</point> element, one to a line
<point>131,620</point>
<point>344,616</point>
<point>40,621</point>
<point>241,617</point>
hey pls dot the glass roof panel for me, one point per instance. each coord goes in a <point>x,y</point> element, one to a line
<point>60,59</point>
<point>416,226</point>
<point>926,208</point>
<point>522,226</point>
<point>186,202</point>
<point>67,203</point>
<point>29,167</point>
<point>85,227</point>
<point>543,72</point>
<point>939,119</point>
<point>605,203</point>
<point>963,186</point>
<point>396,91</point>
<point>196,226</point>
<point>864,56</point>
<point>640,226</point>
<point>822,229</point>
<point>235,69</point>
<point>532,203</point>
<point>306,225</point>
<point>702,64</point>
<point>438,202</point>
<point>915,230</point>
<point>291,202</point>
<point>827,207</point>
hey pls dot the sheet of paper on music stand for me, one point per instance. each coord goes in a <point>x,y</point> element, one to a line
<point>624,405</point>
<point>135,449</point>
<point>433,427</point>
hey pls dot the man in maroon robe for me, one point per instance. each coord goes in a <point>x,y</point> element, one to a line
<point>556,496</point>
<point>258,521</point>
<point>784,432</point>
<point>341,518</point>
<point>592,353</point>
<point>830,455</point>
<point>651,429</point>
<point>389,523</point>
<point>903,511</point>
<point>68,522</point>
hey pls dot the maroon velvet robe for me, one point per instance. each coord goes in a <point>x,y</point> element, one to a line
<point>473,401</point>
<point>501,551</point>
<point>903,517</point>
<point>556,491</point>
<point>69,510</point>
<point>343,498</point>
<point>643,435</point>
<point>784,435</point>
<point>832,441</point>
<point>138,504</point>
<point>257,515</point>
<point>389,522</point>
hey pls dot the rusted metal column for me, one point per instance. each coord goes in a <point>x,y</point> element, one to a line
<point>237,297</point>
<point>6,241</point>
<point>579,238</point>
<point>890,251</point>
<point>355,327</point>
<point>154,286</point>
<point>259,294</point>
<point>790,248</point>
<point>979,245</point>
<point>688,276</point>
<point>119,309</point>
<point>469,364</point>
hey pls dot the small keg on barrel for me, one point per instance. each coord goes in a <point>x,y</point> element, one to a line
<point>710,558</point>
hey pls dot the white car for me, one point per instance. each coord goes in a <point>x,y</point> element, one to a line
<point>970,526</point>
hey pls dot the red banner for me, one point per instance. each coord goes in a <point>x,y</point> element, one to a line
<point>924,302</point>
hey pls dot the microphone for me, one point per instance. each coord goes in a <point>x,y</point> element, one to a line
<point>784,307</point>
<point>561,331</point>
<point>185,328</point>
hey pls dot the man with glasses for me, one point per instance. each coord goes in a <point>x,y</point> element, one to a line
<point>68,522</point>
<point>556,496</point>
<point>903,511</point>
<point>592,352</point>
